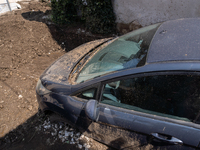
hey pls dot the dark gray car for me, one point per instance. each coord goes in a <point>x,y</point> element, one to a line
<point>141,90</point>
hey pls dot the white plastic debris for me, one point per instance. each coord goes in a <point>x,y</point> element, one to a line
<point>63,133</point>
<point>20,96</point>
<point>46,17</point>
<point>72,140</point>
<point>84,2</point>
<point>82,136</point>
<point>18,6</point>
<point>66,133</point>
<point>80,146</point>
<point>54,133</point>
<point>78,134</point>
<point>60,132</point>
<point>87,138</point>
<point>71,134</point>
<point>86,145</point>
<point>72,143</point>
<point>60,126</point>
<point>47,126</point>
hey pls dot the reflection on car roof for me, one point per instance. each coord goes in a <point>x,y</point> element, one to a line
<point>177,40</point>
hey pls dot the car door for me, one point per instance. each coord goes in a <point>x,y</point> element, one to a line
<point>151,111</point>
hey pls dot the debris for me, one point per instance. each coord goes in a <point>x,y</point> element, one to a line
<point>66,133</point>
<point>30,107</point>
<point>47,17</point>
<point>20,96</point>
<point>80,146</point>
<point>86,145</point>
<point>18,6</point>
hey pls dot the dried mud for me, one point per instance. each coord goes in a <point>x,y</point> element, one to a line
<point>30,42</point>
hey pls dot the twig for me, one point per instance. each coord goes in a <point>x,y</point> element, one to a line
<point>32,136</point>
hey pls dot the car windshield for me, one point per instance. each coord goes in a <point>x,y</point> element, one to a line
<point>128,51</point>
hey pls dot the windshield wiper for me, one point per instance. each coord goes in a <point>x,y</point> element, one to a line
<point>81,63</point>
<point>87,56</point>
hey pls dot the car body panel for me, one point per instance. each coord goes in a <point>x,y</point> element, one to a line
<point>59,71</point>
<point>137,122</point>
<point>176,40</point>
<point>148,68</point>
<point>65,105</point>
<point>119,127</point>
<point>124,139</point>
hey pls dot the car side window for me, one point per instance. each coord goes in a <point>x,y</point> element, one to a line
<point>172,96</point>
<point>87,94</point>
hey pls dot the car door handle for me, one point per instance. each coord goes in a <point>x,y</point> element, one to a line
<point>167,138</point>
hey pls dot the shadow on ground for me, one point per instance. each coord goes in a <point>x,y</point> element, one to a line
<point>39,133</point>
<point>67,36</point>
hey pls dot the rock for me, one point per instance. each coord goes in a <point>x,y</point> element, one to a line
<point>125,28</point>
<point>121,26</point>
<point>134,25</point>
<point>30,107</point>
<point>124,31</point>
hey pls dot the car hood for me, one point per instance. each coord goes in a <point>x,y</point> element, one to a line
<point>60,70</point>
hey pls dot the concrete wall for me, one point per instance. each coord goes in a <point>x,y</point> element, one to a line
<point>11,1</point>
<point>148,12</point>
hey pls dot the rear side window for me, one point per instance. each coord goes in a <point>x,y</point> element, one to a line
<point>173,96</point>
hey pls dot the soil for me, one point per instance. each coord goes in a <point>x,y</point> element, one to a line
<point>29,43</point>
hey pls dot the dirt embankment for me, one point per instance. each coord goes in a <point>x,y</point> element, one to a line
<point>30,42</point>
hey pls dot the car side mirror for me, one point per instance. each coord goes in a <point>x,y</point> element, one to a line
<point>92,110</point>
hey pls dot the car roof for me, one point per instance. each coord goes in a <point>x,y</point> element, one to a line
<point>176,40</point>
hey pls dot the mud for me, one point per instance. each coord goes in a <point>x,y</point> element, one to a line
<point>29,43</point>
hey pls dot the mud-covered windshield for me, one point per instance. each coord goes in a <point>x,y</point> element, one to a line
<point>128,51</point>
